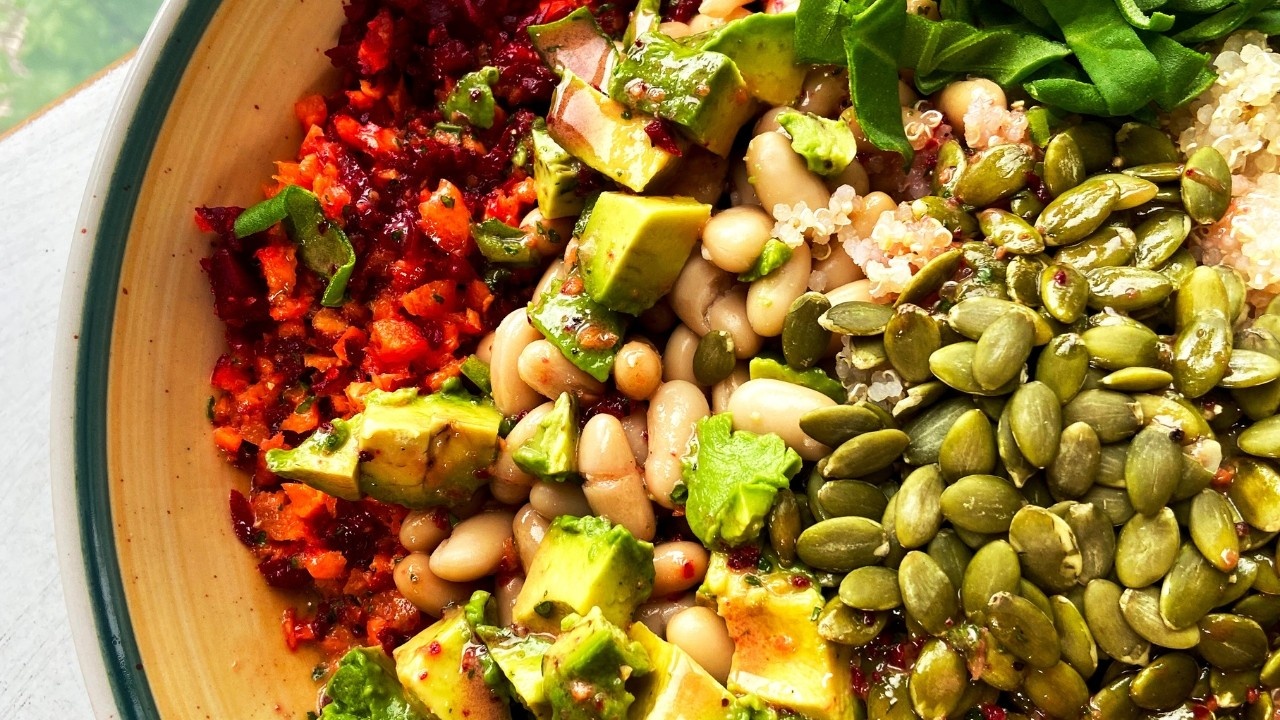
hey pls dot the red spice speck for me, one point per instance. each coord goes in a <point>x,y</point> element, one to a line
<point>1242,529</point>
<point>860,685</point>
<point>687,570</point>
<point>433,648</point>
<point>744,558</point>
<point>991,712</point>
<point>800,581</point>
<point>422,675</point>
<point>1251,696</point>
<point>661,137</point>
<point>1060,278</point>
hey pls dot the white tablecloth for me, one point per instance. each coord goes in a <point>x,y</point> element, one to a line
<point>44,168</point>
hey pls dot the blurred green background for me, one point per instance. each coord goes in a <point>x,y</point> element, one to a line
<point>48,47</point>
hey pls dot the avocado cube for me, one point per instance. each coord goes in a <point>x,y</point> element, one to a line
<point>555,175</point>
<point>328,460</point>
<point>585,672</point>
<point>778,654</point>
<point>438,668</point>
<point>633,247</point>
<point>677,687</point>
<point>576,43</point>
<point>365,685</point>
<point>520,659</point>
<point>425,451</point>
<point>762,45</point>
<point>586,332</point>
<point>699,90</point>
<point>606,135</point>
<point>584,562</point>
<point>552,452</point>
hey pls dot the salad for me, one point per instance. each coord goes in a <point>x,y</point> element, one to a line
<point>829,359</point>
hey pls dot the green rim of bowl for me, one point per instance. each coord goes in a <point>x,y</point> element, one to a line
<point>121,179</point>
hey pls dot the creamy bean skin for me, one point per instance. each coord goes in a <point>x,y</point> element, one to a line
<point>678,566</point>
<point>636,425</point>
<point>955,100</point>
<point>723,390</point>
<point>504,595</point>
<point>428,592</point>
<point>704,635</point>
<point>508,483</point>
<point>612,481</point>
<point>673,412</point>
<point>859,290</point>
<point>637,370</point>
<point>836,269</point>
<point>544,368</point>
<point>780,175</point>
<point>553,499</point>
<point>659,319</point>
<point>740,190</point>
<point>768,122</point>
<point>423,530</point>
<point>677,359</point>
<point>656,613</point>
<point>484,349</point>
<point>733,238</point>
<point>699,285</point>
<point>773,406</point>
<point>824,91</point>
<point>873,206</point>
<point>512,395</point>
<point>474,549</point>
<point>554,271</point>
<point>529,527</point>
<point>770,297</point>
<point>854,175</point>
<point>731,314</point>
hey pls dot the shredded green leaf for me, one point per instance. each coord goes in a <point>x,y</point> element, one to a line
<point>323,247</point>
<point>872,34</point>
<point>1133,14</point>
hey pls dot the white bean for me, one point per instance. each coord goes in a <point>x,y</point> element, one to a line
<point>529,527</point>
<point>655,614</point>
<point>859,290</point>
<point>428,592</point>
<point>505,592</point>
<point>720,8</point>
<point>554,271</point>
<point>906,92</point>
<point>675,30</point>
<point>474,549</point>
<point>484,348</point>
<point>730,313</point>
<point>825,90</point>
<point>723,390</point>
<point>873,206</point>
<point>768,122</point>
<point>854,175</point>
<point>674,411</point>
<point>611,479</point>
<point>549,236</point>
<point>955,100</point>
<point>678,566</point>
<point>637,426</point>
<point>508,483</point>
<point>677,358</point>
<point>553,499</point>
<point>741,192</point>
<point>773,406</point>
<point>544,368</point>
<point>703,634</point>
<point>836,269</point>
<point>771,296</point>
<point>510,394</point>
<point>733,238</point>
<point>637,369</point>
<point>423,530</point>
<point>698,285</point>
<point>780,175</point>
<point>659,319</point>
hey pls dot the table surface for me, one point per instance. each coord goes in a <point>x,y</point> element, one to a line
<point>44,168</point>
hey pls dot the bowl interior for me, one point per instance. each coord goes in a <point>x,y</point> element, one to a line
<point>207,627</point>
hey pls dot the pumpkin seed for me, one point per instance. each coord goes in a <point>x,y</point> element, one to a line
<point>1152,469</point>
<point>1114,502</point>
<point>1236,290</point>
<point>1078,648</point>
<point>938,680</point>
<point>1206,185</point>
<point>1263,609</point>
<point>951,554</point>
<point>1063,164</point>
<point>1156,172</point>
<point>1203,293</point>
<point>1179,267</point>
<point>834,424</point>
<point>981,504</point>
<point>1159,237</point>
<point>1072,472</point>
<point>1239,582</point>
<point>919,512</point>
<point>1095,536</point>
<point>1190,589</point>
<point>929,429</point>
<point>1262,438</point>
<point>951,164</point>
<point>890,698</point>
<point>1112,702</point>
<point>841,624</point>
<point>1175,413</point>
<point>784,526</point>
<point>1249,368</point>
<point>1022,279</point>
<point>866,453</point>
<point>1058,691</point>
<point>1016,466</point>
<point>842,544</point>
<point>1110,246</point>
<point>1023,629</point>
<point>994,174</point>
<point>1076,213</point>
<point>969,447</point>
<point>871,588</point>
<point>971,316</point>
<point>1165,683</point>
<point>1064,292</point>
<point>1146,548</point>
<point>1255,492</point>
<point>1096,143</point>
<point>1270,674</point>
<point>856,317</point>
<point>1035,417</point>
<point>1232,642</point>
<point>1213,530</point>
<point>714,358</point>
<point>1126,288</point>
<point>910,337</point>
<point>890,521</point>
<point>994,568</point>
<point>1134,191</point>
<point>846,498</point>
<point>1113,416</point>
<point>1010,232</point>
<point>1047,548</point>
<point>1137,379</point>
<point>1232,689</point>
<point>1109,628</point>
<point>1267,580</point>
<point>865,353</point>
<point>918,398</point>
<point>930,278</point>
<point>954,365</point>
<point>1111,466</point>
<point>1115,347</point>
<point>1002,350</point>
<point>804,341</point>
<point>1139,144</point>
<point>1062,365</point>
<point>927,592</point>
<point>1141,609</point>
<point>948,212</point>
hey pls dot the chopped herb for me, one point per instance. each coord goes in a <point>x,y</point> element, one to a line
<point>679,493</point>
<point>323,247</point>
<point>477,371</point>
<point>753,581</point>
<point>543,609</point>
